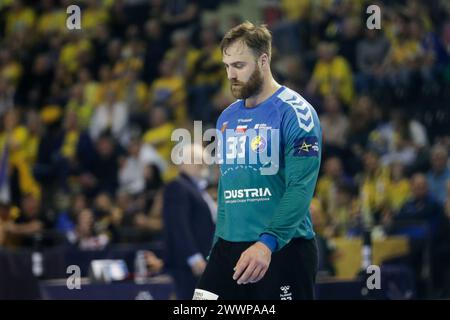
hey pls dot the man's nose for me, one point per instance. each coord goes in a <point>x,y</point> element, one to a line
<point>231,73</point>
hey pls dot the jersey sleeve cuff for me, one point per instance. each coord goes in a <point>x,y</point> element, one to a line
<point>269,240</point>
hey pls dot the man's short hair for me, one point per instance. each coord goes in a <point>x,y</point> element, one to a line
<point>257,38</point>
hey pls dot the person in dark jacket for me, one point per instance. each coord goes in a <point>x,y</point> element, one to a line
<point>188,217</point>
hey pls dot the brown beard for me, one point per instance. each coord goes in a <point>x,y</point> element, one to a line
<point>250,88</point>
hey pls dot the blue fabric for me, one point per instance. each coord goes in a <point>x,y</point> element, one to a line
<point>269,240</point>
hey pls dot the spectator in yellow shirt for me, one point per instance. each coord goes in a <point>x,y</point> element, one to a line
<point>399,187</point>
<point>52,19</point>
<point>182,53</point>
<point>331,74</point>
<point>169,89</point>
<point>160,132</point>
<point>77,104</point>
<point>10,69</point>
<point>19,18</point>
<point>73,50</point>
<point>374,187</point>
<point>13,140</point>
<point>159,136</point>
<point>327,184</point>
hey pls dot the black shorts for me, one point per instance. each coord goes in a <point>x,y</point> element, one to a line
<point>291,274</point>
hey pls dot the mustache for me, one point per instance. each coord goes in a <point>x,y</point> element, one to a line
<point>234,82</point>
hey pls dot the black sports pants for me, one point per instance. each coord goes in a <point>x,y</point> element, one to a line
<point>291,274</point>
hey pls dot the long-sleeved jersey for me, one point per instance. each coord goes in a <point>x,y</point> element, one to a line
<point>270,158</point>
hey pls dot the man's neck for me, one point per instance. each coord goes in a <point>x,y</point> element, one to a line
<point>269,88</point>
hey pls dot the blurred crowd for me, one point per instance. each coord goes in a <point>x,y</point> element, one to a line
<point>86,116</point>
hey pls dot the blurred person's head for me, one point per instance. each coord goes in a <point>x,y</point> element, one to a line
<point>180,39</point>
<point>158,116</point>
<point>16,5</point>
<point>77,93</point>
<point>114,50</point>
<point>401,30</point>
<point>103,202</point>
<point>78,202</point>
<point>439,158</point>
<point>397,170</point>
<point>333,167</point>
<point>132,32</point>
<point>213,24</point>
<point>5,208</point>
<point>56,42</point>
<point>326,51</point>
<point>5,85</point>
<point>47,5</point>
<point>234,20</point>
<point>5,56</point>
<point>398,118</point>
<point>41,64</point>
<point>371,162</point>
<point>416,29</point>
<point>208,37</point>
<point>30,206</point>
<point>103,206</point>
<point>134,146</point>
<point>84,75</point>
<point>71,121</point>
<point>364,104</point>
<point>419,186</point>
<point>102,32</point>
<point>10,119</point>
<point>167,67</point>
<point>85,223</point>
<point>33,122</point>
<point>293,67</point>
<point>351,27</point>
<point>111,96</point>
<point>130,75</point>
<point>345,193</point>
<point>196,166</point>
<point>372,34</point>
<point>105,145</point>
<point>123,200</point>
<point>247,51</point>
<point>331,104</point>
<point>105,73</point>
<point>363,113</point>
<point>153,29</point>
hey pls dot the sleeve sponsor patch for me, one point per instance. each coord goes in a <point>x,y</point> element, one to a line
<point>306,147</point>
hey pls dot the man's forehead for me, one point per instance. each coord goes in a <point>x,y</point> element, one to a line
<point>237,50</point>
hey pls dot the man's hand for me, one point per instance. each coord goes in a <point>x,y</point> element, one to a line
<point>252,264</point>
<point>154,264</point>
<point>198,267</point>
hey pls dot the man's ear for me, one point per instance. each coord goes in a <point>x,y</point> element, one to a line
<point>264,59</point>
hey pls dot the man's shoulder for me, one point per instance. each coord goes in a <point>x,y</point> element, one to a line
<point>228,111</point>
<point>232,107</point>
<point>180,183</point>
<point>293,105</point>
<point>289,99</point>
